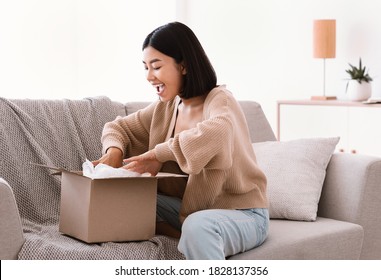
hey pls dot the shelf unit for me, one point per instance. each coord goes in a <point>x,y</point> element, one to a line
<point>356,123</point>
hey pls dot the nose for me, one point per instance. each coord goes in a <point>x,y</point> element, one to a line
<point>149,75</point>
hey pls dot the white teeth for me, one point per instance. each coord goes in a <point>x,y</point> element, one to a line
<point>158,87</point>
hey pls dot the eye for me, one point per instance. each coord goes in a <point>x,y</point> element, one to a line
<point>156,68</point>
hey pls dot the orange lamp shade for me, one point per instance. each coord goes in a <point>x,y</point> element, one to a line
<point>324,41</point>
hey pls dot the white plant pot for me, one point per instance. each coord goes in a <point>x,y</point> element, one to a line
<point>359,92</point>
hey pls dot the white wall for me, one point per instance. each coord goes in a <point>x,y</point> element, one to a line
<point>262,49</point>
<point>75,49</point>
<point>37,48</point>
<point>110,37</point>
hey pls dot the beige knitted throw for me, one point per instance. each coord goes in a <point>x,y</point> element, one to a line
<point>59,133</point>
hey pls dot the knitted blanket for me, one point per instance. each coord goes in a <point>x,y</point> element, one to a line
<point>60,133</point>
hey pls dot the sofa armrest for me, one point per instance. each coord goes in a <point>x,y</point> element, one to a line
<point>352,192</point>
<point>11,233</point>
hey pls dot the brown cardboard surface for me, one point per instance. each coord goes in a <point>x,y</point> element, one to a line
<point>101,210</point>
<point>110,209</point>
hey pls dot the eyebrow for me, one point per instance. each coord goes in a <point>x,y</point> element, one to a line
<point>152,61</point>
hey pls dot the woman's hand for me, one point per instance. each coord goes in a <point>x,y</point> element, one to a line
<point>113,157</point>
<point>143,163</point>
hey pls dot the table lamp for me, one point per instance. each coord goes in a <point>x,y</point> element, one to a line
<point>324,46</point>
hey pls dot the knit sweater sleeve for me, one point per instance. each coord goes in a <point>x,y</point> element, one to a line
<point>130,134</point>
<point>209,144</point>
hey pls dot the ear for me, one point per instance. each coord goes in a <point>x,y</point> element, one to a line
<point>183,69</point>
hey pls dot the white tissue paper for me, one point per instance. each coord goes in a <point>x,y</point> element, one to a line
<point>102,171</point>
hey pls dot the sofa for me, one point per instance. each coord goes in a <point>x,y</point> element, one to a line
<point>345,222</point>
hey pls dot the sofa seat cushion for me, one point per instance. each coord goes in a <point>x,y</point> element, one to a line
<point>298,240</point>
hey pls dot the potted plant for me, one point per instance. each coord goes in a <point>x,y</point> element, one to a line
<point>358,87</point>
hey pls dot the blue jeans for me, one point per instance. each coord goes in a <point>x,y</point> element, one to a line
<point>216,233</point>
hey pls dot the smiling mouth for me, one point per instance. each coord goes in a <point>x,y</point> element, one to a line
<point>159,88</point>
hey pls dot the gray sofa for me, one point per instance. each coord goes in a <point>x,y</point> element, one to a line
<point>65,132</point>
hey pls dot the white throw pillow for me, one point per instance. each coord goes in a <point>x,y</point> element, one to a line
<point>295,172</point>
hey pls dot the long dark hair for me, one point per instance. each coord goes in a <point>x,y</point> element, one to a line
<point>178,41</point>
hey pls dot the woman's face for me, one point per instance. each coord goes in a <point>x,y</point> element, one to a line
<point>163,73</point>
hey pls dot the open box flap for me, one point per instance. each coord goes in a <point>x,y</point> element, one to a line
<point>60,170</point>
<point>165,175</point>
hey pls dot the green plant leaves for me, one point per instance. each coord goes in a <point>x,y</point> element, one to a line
<point>358,73</point>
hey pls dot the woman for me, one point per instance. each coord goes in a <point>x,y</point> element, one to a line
<point>196,128</point>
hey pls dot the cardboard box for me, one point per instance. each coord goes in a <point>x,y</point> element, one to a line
<point>112,209</point>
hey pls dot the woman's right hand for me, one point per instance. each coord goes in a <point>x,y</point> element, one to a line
<point>113,157</point>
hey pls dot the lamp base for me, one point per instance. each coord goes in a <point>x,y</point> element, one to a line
<point>323,97</point>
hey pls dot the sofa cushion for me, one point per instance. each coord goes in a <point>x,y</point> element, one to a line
<point>259,127</point>
<point>297,240</point>
<point>11,234</point>
<point>295,173</point>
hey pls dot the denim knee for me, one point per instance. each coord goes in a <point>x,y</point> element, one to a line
<point>201,237</point>
<point>217,233</point>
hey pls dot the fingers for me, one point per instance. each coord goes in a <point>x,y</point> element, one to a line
<point>129,165</point>
<point>135,159</point>
<point>135,166</point>
<point>111,160</point>
<point>144,163</point>
<point>98,161</point>
<point>131,159</point>
<point>150,155</point>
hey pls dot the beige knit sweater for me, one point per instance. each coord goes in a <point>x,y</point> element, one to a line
<point>217,154</point>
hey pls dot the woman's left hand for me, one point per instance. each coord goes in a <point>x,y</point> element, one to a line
<point>143,163</point>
